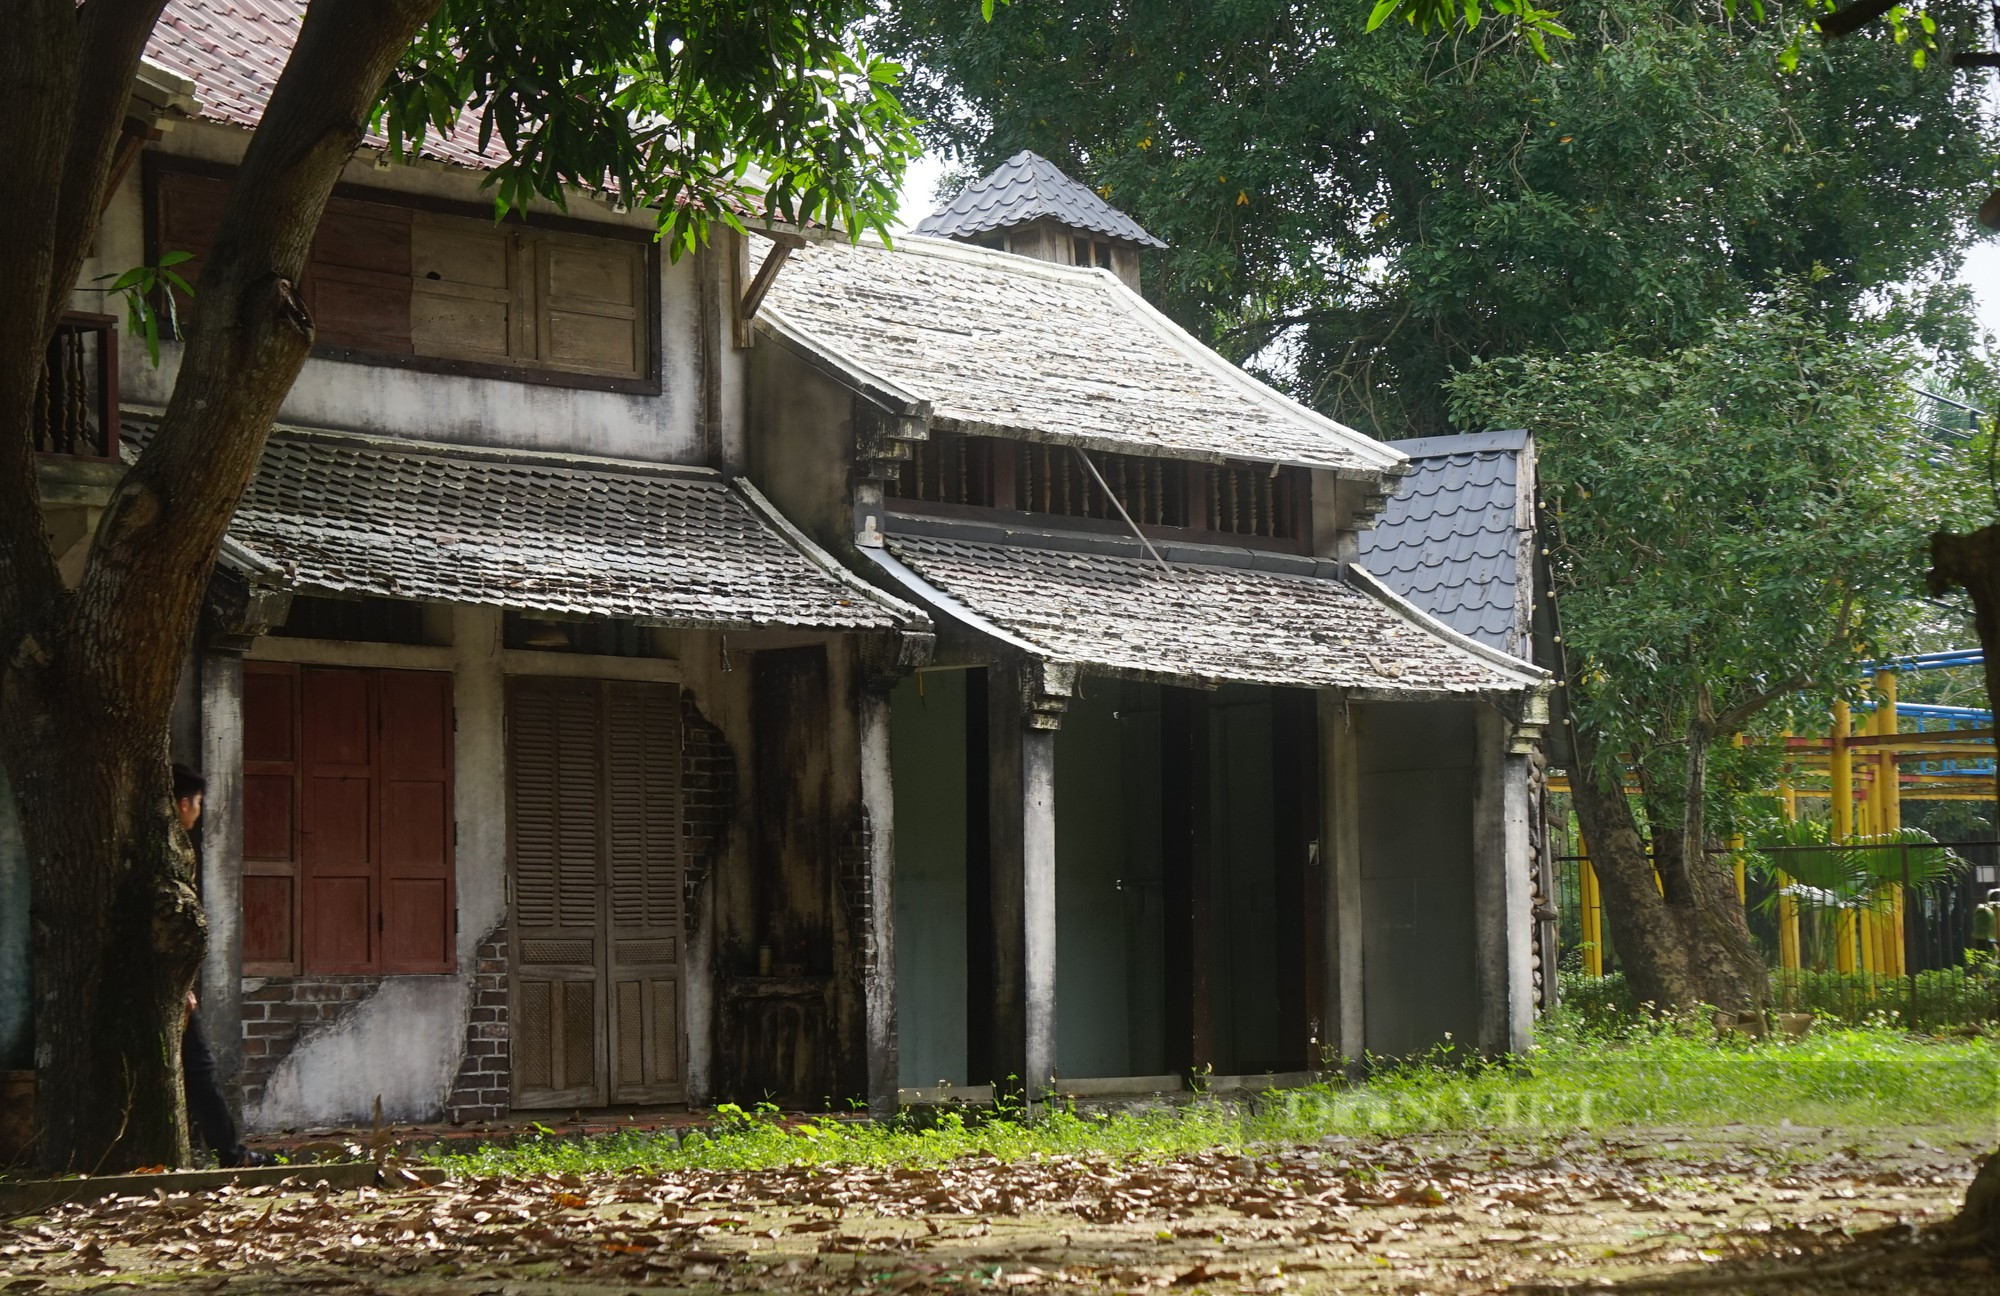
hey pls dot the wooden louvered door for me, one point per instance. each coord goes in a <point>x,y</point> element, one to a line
<point>594,774</point>
<point>643,833</point>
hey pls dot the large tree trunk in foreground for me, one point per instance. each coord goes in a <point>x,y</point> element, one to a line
<point>1972,563</point>
<point>1687,946</point>
<point>87,677</point>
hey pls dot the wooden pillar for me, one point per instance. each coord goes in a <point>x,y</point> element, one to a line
<point>1340,877</point>
<point>1296,829</point>
<point>1185,864</point>
<point>878,970</point>
<point>1502,913</point>
<point>1023,872</point>
<point>220,983</point>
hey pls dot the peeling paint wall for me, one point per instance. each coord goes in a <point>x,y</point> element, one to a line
<point>403,1043</point>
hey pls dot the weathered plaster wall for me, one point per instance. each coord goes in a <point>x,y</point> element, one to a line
<point>927,743</point>
<point>429,406</point>
<point>17,1010</point>
<point>1416,780</point>
<point>801,444</point>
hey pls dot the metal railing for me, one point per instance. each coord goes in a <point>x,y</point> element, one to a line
<point>1895,937</point>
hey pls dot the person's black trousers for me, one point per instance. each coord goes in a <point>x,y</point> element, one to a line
<point>208,1107</point>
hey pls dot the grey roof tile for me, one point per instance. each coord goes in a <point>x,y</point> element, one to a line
<point>1449,539</point>
<point>342,514</point>
<point>1010,346</point>
<point>1261,623</point>
<point>1028,187</point>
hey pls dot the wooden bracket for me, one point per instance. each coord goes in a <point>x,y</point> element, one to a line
<point>783,243</point>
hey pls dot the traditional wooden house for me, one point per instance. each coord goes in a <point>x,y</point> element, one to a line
<point>1186,789</point>
<point>535,734</point>
<point>567,689</point>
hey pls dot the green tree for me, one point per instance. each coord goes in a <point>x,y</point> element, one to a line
<point>1728,525</point>
<point>706,112</point>
<point>1387,207</point>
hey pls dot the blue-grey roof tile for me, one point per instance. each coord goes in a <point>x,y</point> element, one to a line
<point>1452,539</point>
<point>1025,188</point>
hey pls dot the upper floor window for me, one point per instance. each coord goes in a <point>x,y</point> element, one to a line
<point>1086,251</point>
<point>1239,499</point>
<point>394,283</point>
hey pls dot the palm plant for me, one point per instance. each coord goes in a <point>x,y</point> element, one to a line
<point>1827,879</point>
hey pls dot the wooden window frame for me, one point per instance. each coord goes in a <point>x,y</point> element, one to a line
<point>156,166</point>
<point>294,869</point>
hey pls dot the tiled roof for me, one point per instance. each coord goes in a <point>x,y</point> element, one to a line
<point>335,513</point>
<point>1005,345</point>
<point>1455,538</point>
<point>233,50</point>
<point>1028,187</point>
<point>1212,615</point>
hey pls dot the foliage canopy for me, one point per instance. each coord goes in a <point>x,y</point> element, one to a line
<point>1363,214</point>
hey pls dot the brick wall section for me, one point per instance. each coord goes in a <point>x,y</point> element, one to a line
<point>278,1012</point>
<point>708,800</point>
<point>483,1089</point>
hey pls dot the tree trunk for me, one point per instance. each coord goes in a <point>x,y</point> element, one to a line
<point>1688,945</point>
<point>87,678</point>
<point>1657,965</point>
<point>1972,563</point>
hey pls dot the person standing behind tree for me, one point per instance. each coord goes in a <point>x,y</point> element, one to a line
<point>208,1106</point>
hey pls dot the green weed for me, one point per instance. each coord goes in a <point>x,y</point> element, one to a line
<point>1671,1074</point>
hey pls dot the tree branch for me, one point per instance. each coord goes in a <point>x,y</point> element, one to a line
<point>142,587</point>
<point>112,39</point>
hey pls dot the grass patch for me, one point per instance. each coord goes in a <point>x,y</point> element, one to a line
<point>1671,1074</point>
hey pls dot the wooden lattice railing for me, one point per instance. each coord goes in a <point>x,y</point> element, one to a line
<point>76,407</point>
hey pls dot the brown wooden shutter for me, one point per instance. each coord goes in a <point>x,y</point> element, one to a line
<point>270,819</point>
<point>469,299</point>
<point>591,298</point>
<point>642,819</point>
<point>187,210</point>
<point>338,793</point>
<point>358,284</point>
<point>555,820</point>
<point>417,824</point>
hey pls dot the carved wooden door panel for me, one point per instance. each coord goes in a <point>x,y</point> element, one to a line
<point>594,781</point>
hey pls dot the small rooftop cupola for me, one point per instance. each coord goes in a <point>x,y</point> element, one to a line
<point>1029,207</point>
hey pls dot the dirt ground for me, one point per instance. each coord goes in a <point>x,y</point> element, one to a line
<point>1435,1214</point>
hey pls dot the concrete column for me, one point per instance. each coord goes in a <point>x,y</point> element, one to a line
<point>1340,964</point>
<point>878,803</point>
<point>221,742</point>
<point>1023,828</point>
<point>1503,918</point>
